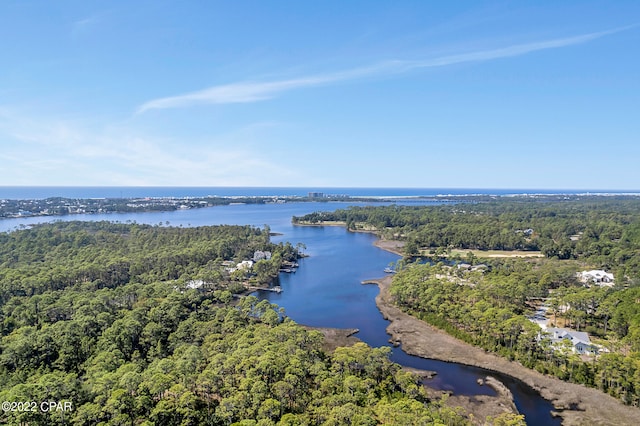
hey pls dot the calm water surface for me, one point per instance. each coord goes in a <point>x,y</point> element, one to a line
<point>40,192</point>
<point>326,291</point>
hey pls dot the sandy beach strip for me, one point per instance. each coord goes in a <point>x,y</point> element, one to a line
<point>393,246</point>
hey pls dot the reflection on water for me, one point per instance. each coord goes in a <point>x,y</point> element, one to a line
<point>326,290</point>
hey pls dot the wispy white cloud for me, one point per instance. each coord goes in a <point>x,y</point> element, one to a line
<point>251,91</point>
<point>80,23</point>
<point>83,25</point>
<point>62,152</point>
<point>257,91</point>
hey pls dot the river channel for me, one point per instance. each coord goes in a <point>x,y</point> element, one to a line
<point>326,290</point>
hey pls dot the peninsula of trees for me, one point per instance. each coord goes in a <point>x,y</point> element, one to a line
<point>105,317</point>
<point>58,206</point>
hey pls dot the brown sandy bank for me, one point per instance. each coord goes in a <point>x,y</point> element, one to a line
<point>335,337</point>
<point>322,223</point>
<point>479,406</point>
<point>482,406</point>
<point>392,246</point>
<point>576,404</point>
<point>339,337</point>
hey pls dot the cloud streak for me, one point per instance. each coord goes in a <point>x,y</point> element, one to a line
<point>250,91</point>
<point>259,91</point>
<point>61,152</point>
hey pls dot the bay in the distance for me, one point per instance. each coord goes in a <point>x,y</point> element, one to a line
<point>326,290</point>
<point>41,192</point>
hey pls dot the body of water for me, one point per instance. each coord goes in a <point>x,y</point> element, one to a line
<point>326,290</point>
<point>41,192</point>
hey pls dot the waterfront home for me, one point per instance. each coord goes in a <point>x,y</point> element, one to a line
<point>579,341</point>
<point>245,264</point>
<point>261,255</point>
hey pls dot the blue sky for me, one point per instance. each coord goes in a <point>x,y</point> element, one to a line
<point>542,94</point>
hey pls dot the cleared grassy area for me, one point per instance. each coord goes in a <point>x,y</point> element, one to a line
<point>496,253</point>
<point>322,223</point>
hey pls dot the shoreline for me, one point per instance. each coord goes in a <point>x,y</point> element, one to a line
<point>575,404</point>
<point>335,337</point>
<point>479,407</point>
<point>392,246</point>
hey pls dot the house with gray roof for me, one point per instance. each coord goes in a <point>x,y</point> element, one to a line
<point>580,342</point>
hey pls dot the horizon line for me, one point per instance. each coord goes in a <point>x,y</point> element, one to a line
<point>323,186</point>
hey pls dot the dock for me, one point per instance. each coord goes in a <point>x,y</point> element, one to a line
<point>276,289</point>
<point>289,267</point>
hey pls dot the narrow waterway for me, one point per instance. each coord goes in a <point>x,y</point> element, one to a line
<point>326,290</point>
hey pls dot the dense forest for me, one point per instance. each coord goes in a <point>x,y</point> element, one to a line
<point>101,316</point>
<point>490,309</point>
<point>59,206</point>
<point>487,301</point>
<point>603,231</point>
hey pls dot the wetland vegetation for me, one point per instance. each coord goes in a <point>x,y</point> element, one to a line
<point>488,300</point>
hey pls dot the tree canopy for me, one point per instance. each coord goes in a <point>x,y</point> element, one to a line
<point>487,301</point>
<point>603,231</point>
<point>99,315</point>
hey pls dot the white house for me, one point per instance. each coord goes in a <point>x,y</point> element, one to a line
<point>245,264</point>
<point>596,276</point>
<point>195,284</point>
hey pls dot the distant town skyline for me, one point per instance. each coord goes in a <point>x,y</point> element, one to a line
<point>332,94</point>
